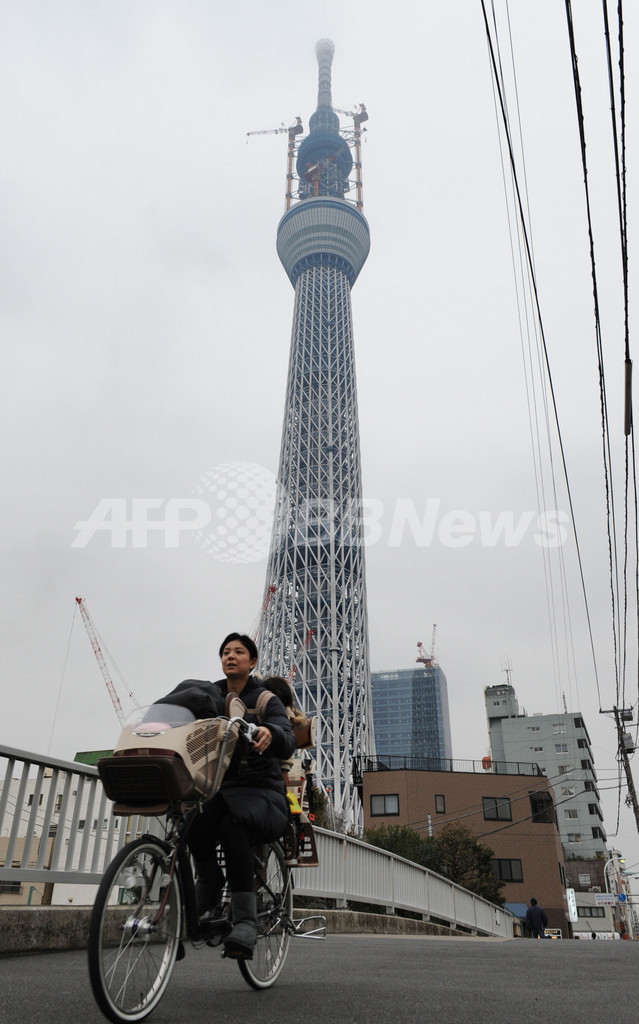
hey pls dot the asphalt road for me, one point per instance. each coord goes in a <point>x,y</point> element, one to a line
<point>360,980</point>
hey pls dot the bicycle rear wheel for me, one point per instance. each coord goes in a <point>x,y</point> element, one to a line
<point>274,914</point>
<point>134,931</point>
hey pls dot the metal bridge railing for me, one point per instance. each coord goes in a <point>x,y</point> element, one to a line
<point>56,828</point>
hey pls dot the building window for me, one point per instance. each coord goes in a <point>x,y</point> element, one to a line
<point>537,750</point>
<point>81,824</point>
<point>11,888</point>
<point>591,911</point>
<point>440,803</point>
<point>507,870</point>
<point>561,748</point>
<point>497,808</point>
<point>564,769</point>
<point>586,765</point>
<point>58,803</point>
<point>542,808</point>
<point>584,879</point>
<point>558,727</point>
<point>574,837</point>
<point>579,723</point>
<point>535,728</point>
<point>571,814</point>
<point>31,800</point>
<point>384,803</point>
<point>582,743</point>
<point>598,833</point>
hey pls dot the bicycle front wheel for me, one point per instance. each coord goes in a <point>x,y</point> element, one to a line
<point>134,931</point>
<point>274,915</point>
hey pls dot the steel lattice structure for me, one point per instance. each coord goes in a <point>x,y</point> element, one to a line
<point>316,621</point>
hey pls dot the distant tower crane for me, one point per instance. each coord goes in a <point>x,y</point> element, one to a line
<point>427,659</point>
<point>293,130</point>
<point>267,600</point>
<point>101,660</point>
<point>291,675</point>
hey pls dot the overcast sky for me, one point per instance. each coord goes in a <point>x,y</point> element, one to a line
<point>146,323</point>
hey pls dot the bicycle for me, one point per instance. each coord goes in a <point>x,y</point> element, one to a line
<point>145,906</point>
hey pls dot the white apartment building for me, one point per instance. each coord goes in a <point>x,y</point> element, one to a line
<point>560,745</point>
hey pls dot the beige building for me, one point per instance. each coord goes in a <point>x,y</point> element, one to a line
<point>513,814</point>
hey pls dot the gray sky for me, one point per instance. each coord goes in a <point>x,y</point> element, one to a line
<point>146,323</point>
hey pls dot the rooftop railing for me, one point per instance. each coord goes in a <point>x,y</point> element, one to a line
<point>397,762</point>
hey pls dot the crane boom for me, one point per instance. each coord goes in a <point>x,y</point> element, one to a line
<point>291,675</point>
<point>255,632</point>
<point>101,660</point>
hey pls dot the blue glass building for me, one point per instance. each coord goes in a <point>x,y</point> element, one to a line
<point>410,713</point>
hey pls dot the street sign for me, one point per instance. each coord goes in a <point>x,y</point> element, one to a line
<point>605,899</point>
<point>622,897</point>
<point>572,906</point>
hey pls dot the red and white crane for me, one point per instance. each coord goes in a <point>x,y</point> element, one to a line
<point>97,646</point>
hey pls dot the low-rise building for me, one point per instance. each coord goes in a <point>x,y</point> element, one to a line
<point>509,808</point>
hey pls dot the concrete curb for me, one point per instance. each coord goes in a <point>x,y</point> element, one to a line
<point>40,929</point>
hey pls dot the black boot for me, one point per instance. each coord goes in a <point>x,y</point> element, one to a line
<point>209,884</point>
<point>240,943</point>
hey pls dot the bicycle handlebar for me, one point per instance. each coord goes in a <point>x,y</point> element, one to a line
<point>246,728</point>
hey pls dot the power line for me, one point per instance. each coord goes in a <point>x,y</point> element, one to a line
<point>539,318</point>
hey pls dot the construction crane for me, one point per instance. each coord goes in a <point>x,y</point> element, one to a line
<point>427,659</point>
<point>359,116</point>
<point>293,131</point>
<point>291,675</point>
<point>260,619</point>
<point>97,646</point>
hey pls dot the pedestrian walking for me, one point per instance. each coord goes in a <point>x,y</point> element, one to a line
<point>536,920</point>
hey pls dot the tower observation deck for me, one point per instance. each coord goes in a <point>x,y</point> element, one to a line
<point>316,619</point>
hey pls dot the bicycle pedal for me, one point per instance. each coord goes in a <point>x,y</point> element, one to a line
<point>237,953</point>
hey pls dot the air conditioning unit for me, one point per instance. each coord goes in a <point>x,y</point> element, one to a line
<point>595,888</point>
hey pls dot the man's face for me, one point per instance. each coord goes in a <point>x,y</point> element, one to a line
<point>236,660</point>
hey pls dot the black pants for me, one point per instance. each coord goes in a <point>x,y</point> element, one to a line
<point>216,827</point>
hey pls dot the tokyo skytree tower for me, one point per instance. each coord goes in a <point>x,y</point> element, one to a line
<point>314,626</point>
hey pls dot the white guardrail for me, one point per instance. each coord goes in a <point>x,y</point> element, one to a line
<point>56,829</point>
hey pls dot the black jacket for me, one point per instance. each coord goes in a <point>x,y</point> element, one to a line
<point>536,919</point>
<point>253,787</point>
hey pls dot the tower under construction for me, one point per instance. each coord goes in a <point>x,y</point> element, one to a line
<point>314,628</point>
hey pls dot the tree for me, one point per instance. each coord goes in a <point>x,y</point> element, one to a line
<point>466,861</point>
<point>398,839</point>
<point>453,852</point>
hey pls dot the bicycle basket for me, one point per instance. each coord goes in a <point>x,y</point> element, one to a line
<point>166,761</point>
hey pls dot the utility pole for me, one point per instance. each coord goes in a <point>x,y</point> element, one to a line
<point>625,715</point>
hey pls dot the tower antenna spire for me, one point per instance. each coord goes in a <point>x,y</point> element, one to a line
<point>324,50</point>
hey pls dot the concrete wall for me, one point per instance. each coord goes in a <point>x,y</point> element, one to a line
<point>41,929</point>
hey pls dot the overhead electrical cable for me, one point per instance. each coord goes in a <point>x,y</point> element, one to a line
<point>525,304</point>
<point>619,142</point>
<point>607,459</point>
<point>537,307</point>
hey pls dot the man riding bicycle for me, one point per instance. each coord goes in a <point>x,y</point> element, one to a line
<point>251,802</point>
